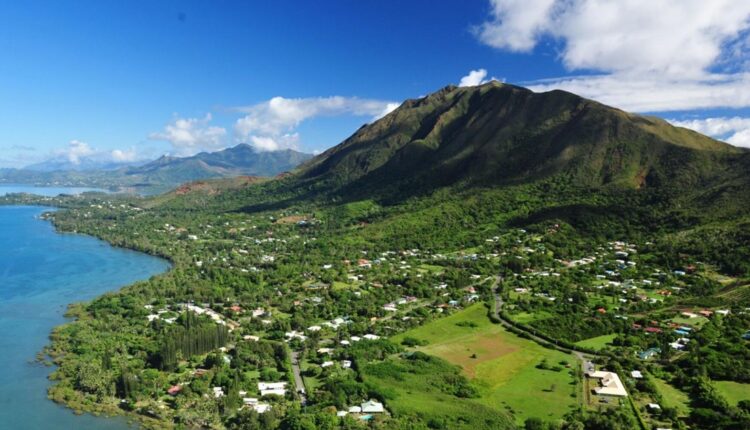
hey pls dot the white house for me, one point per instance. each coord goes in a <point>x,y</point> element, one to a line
<point>272,388</point>
<point>610,384</point>
<point>372,407</point>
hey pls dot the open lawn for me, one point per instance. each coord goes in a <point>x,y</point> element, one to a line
<point>695,322</point>
<point>529,317</point>
<point>733,391</point>
<point>673,398</point>
<point>501,364</point>
<point>599,342</point>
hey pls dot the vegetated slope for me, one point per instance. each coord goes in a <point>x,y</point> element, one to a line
<point>502,134</point>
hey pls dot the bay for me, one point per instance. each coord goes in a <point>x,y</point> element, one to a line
<point>41,272</point>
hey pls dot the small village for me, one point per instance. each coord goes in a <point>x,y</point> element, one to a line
<point>328,315</point>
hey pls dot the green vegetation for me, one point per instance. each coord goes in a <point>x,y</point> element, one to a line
<point>597,343</point>
<point>511,374</point>
<point>581,225</point>
<point>734,392</point>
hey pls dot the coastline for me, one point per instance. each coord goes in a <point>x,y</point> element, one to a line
<point>51,356</point>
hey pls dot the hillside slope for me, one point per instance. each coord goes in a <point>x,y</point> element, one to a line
<point>502,134</point>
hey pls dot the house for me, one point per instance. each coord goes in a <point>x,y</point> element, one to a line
<point>174,390</point>
<point>652,330</point>
<point>654,407</point>
<point>645,355</point>
<point>371,337</point>
<point>372,407</point>
<point>610,384</point>
<point>272,388</point>
<point>355,410</point>
<point>636,374</point>
<point>218,392</point>
<point>723,312</point>
<point>346,364</point>
<point>327,364</point>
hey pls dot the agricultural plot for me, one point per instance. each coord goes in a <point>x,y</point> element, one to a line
<point>512,374</point>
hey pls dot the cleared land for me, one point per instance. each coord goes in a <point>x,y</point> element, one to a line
<point>599,342</point>
<point>733,391</point>
<point>501,365</point>
<point>673,398</point>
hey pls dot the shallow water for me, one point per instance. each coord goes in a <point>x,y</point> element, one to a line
<point>41,272</point>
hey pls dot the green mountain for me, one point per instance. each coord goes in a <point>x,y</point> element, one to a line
<point>241,160</point>
<point>503,134</point>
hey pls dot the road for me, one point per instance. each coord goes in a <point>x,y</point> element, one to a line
<point>298,382</point>
<point>583,356</point>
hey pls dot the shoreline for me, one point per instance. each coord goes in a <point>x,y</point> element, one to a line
<point>51,359</point>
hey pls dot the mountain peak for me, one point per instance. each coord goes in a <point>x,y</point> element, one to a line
<point>499,133</point>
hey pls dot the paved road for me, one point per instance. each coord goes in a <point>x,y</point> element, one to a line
<point>299,384</point>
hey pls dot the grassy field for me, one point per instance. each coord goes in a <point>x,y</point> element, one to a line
<point>528,317</point>
<point>733,391</point>
<point>502,365</point>
<point>599,342</point>
<point>695,322</point>
<point>673,398</point>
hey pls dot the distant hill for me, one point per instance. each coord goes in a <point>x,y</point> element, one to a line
<point>83,165</point>
<point>161,174</point>
<point>240,160</point>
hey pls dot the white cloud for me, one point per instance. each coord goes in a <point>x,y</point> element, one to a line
<point>272,124</point>
<point>651,55</point>
<point>734,130</point>
<point>76,150</point>
<point>81,154</point>
<point>389,107</point>
<point>653,93</point>
<point>124,156</point>
<point>475,77</point>
<point>268,143</point>
<point>189,136</point>
<point>516,24</point>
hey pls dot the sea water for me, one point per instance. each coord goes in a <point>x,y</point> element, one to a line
<point>41,272</point>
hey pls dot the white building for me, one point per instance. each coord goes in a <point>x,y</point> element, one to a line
<point>610,384</point>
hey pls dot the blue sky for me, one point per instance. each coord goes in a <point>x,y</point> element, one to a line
<point>134,80</point>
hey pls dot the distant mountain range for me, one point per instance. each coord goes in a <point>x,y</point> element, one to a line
<point>161,174</point>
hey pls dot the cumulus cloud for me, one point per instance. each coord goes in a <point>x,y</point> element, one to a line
<point>271,125</point>
<point>653,93</point>
<point>474,78</point>
<point>83,155</point>
<point>269,143</point>
<point>651,55</point>
<point>76,150</point>
<point>734,130</point>
<point>124,156</point>
<point>516,24</point>
<point>189,136</point>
